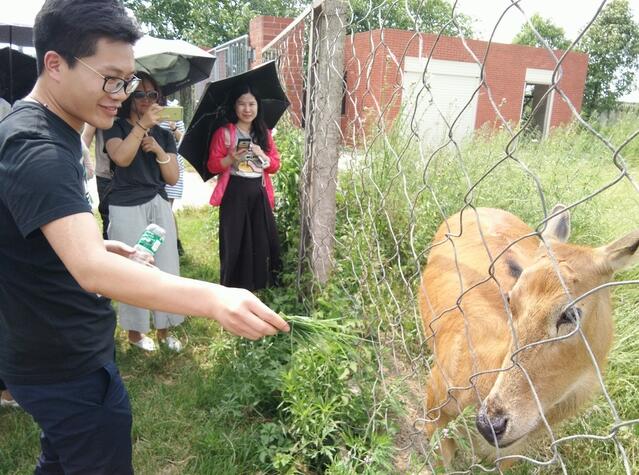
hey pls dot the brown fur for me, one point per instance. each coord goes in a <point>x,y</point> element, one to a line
<point>474,333</point>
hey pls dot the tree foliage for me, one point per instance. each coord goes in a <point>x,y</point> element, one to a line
<point>428,16</point>
<point>554,36</point>
<point>212,22</point>
<point>612,43</point>
<point>206,22</point>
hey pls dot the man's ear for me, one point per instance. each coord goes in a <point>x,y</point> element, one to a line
<point>54,65</point>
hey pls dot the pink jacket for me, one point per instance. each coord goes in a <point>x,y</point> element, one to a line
<point>218,150</point>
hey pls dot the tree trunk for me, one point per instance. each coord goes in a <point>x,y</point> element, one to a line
<point>186,101</point>
<point>323,137</point>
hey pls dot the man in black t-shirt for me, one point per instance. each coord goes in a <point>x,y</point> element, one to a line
<point>56,272</point>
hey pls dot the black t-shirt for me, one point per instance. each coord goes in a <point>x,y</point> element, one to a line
<point>141,180</point>
<point>51,330</point>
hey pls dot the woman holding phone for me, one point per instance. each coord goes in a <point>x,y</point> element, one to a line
<point>144,155</point>
<point>243,153</point>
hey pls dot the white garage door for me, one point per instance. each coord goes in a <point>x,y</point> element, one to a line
<point>433,110</point>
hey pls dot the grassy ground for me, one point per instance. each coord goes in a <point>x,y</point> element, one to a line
<point>404,195</point>
<point>225,406</point>
<point>170,417</point>
<point>216,407</point>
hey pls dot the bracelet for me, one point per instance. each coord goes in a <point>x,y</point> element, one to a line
<point>137,122</point>
<point>164,162</point>
<point>139,138</point>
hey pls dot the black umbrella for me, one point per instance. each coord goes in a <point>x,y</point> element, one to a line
<point>16,28</point>
<point>20,35</point>
<point>16,24</point>
<point>18,74</point>
<point>211,113</point>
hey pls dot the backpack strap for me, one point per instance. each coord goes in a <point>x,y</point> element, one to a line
<point>227,138</point>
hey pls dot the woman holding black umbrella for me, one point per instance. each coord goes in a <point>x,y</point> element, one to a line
<point>243,153</point>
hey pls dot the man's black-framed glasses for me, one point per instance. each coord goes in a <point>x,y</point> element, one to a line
<point>113,85</point>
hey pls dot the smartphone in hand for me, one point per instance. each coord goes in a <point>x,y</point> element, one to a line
<point>172,113</point>
<point>243,144</point>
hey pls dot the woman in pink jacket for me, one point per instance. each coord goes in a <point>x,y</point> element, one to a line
<point>243,154</point>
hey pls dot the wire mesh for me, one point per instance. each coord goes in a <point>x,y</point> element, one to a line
<point>432,123</point>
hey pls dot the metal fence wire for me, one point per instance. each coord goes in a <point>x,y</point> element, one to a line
<point>405,127</point>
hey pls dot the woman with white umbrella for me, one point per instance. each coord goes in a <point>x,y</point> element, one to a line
<point>144,155</point>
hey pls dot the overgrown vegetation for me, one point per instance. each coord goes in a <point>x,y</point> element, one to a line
<point>326,405</point>
<point>393,203</point>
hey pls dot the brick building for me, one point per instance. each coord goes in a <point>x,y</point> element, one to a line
<point>386,72</point>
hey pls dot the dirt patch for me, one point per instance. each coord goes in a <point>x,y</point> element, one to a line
<point>413,450</point>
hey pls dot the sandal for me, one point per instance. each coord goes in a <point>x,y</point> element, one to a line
<point>9,403</point>
<point>145,343</point>
<point>172,343</point>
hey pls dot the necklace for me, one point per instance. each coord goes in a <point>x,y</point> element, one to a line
<point>43,104</point>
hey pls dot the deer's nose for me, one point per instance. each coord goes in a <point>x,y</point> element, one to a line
<point>491,426</point>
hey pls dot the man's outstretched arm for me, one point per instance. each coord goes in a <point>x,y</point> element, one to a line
<point>79,245</point>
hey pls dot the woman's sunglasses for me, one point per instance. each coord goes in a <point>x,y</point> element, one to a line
<point>153,95</point>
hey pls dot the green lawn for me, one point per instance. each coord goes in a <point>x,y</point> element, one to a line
<point>167,390</point>
<point>212,409</point>
<point>332,406</point>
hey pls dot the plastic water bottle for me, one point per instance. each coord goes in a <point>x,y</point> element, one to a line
<point>151,239</point>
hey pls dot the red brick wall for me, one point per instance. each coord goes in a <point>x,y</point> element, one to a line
<point>261,31</point>
<point>379,56</point>
<point>374,63</point>
<point>505,73</point>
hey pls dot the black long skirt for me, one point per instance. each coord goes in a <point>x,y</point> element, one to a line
<point>249,245</point>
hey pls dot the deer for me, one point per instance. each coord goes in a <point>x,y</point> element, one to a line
<point>512,327</point>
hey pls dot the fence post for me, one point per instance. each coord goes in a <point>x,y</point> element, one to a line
<point>323,137</point>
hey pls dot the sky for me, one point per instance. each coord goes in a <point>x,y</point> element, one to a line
<point>571,15</point>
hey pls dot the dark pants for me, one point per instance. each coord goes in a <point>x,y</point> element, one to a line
<point>104,185</point>
<point>86,424</point>
<point>249,245</point>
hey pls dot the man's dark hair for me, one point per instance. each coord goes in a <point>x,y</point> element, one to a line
<point>73,28</point>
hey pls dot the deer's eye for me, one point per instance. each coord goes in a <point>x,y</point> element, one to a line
<point>570,316</point>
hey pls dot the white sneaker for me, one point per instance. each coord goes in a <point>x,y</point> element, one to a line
<point>172,344</point>
<point>9,403</point>
<point>146,343</point>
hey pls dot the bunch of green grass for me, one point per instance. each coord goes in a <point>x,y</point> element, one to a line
<point>309,330</point>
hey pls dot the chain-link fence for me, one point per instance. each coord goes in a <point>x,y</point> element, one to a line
<point>404,128</point>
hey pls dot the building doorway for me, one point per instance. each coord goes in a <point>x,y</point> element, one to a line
<point>536,107</point>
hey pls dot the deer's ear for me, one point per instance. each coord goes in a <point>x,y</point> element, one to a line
<point>621,253</point>
<point>558,227</point>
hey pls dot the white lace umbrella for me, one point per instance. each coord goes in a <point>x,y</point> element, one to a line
<point>174,64</point>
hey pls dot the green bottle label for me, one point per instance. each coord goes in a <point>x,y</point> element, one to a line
<point>150,241</point>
